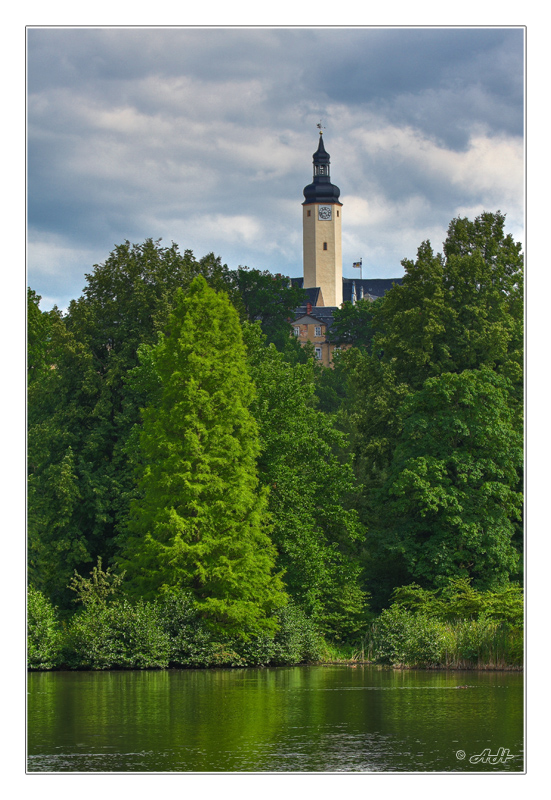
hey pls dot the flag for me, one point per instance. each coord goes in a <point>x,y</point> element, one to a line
<point>357,264</point>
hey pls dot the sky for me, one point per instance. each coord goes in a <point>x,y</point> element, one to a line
<point>205,137</point>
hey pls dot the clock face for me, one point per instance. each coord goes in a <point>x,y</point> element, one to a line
<point>324,212</point>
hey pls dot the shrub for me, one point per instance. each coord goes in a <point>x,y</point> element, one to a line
<point>118,634</point>
<point>405,638</point>
<point>402,637</point>
<point>43,632</point>
<point>297,640</point>
<point>458,600</point>
<point>191,643</point>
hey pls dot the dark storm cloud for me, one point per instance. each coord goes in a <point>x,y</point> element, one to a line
<point>441,81</point>
<point>205,136</point>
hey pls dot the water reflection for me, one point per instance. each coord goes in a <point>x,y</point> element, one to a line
<point>289,719</point>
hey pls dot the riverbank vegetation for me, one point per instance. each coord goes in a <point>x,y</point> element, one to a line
<point>235,503</point>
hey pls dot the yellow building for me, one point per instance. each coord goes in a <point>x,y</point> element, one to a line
<point>312,325</point>
<point>321,232</point>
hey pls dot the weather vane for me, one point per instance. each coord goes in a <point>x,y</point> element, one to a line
<point>321,127</point>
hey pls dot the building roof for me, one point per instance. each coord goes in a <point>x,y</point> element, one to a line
<point>322,314</point>
<point>367,287</point>
<point>374,287</point>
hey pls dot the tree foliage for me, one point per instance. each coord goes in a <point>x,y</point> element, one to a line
<point>439,339</point>
<point>235,485</point>
<point>353,323</point>
<point>453,496</point>
<point>268,299</point>
<point>200,521</point>
<point>315,529</point>
<point>82,409</point>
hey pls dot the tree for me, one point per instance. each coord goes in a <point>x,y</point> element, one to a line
<point>269,299</point>
<point>59,402</point>
<point>456,311</point>
<point>200,521</point>
<point>82,409</point>
<point>453,496</point>
<point>315,530</point>
<point>353,323</point>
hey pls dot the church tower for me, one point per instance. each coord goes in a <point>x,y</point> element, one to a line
<point>321,232</point>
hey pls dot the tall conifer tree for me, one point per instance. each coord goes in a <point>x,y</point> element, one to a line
<point>200,522</point>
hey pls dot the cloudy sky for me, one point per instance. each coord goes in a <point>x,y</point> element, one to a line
<point>205,137</point>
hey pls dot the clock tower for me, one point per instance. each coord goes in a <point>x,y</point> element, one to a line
<point>321,232</point>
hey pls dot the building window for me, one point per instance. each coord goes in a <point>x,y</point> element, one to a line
<point>317,330</point>
<point>337,212</point>
<point>325,245</point>
<point>308,213</point>
<point>317,351</point>
<point>296,330</point>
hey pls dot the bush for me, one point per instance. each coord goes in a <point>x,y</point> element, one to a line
<point>458,600</point>
<point>297,640</point>
<point>193,645</point>
<point>112,633</point>
<point>117,635</point>
<point>403,637</point>
<point>43,632</point>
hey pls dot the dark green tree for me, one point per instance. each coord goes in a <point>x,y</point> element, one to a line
<point>58,403</point>
<point>269,299</point>
<point>353,324</point>
<point>453,497</point>
<point>82,409</point>
<point>315,529</point>
<point>200,520</point>
<point>455,311</point>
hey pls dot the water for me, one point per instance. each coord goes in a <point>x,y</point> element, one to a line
<point>299,719</point>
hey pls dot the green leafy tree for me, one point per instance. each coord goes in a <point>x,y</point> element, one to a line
<point>200,521</point>
<point>44,640</point>
<point>453,497</point>
<point>82,409</point>
<point>269,299</point>
<point>58,403</point>
<point>455,311</point>
<point>460,310</point>
<point>316,531</point>
<point>353,324</point>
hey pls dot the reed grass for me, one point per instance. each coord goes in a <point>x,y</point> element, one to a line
<point>403,638</point>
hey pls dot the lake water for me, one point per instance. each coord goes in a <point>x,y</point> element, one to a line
<point>298,719</point>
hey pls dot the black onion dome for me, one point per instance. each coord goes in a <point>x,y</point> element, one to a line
<point>321,190</point>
